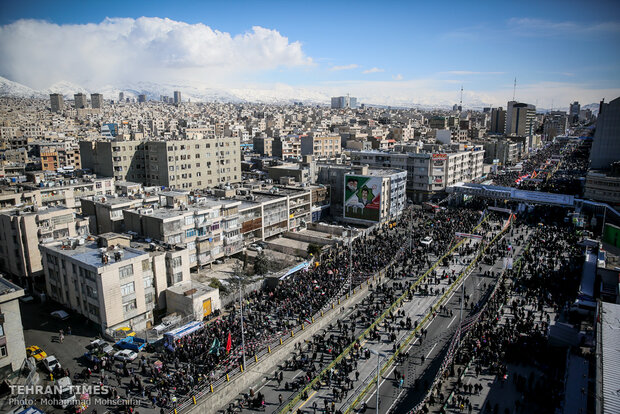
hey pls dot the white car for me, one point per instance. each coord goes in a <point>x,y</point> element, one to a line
<point>51,363</point>
<point>126,355</point>
<point>426,241</point>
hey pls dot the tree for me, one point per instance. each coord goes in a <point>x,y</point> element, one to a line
<point>261,264</point>
<point>315,250</point>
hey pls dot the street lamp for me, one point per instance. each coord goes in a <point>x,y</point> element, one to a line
<point>241,320</point>
<point>350,259</point>
<point>379,355</point>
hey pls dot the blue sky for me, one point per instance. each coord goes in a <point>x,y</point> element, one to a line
<point>422,51</point>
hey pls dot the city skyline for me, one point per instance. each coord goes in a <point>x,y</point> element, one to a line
<point>419,55</point>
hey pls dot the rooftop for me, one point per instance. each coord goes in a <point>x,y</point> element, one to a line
<point>610,357</point>
<point>89,253</point>
<point>8,287</point>
<point>190,287</point>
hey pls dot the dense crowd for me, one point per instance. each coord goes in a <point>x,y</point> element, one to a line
<point>514,327</point>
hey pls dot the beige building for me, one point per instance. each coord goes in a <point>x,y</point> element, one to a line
<point>110,282</point>
<point>21,231</point>
<point>12,346</point>
<point>428,173</point>
<point>325,147</point>
<point>603,186</point>
<point>191,298</point>
<point>208,229</point>
<point>177,164</point>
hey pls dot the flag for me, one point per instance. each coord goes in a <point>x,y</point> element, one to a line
<point>309,321</point>
<point>228,343</point>
<point>215,347</point>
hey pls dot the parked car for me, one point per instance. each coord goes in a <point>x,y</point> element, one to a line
<point>255,247</point>
<point>124,332</point>
<point>126,355</point>
<point>51,363</point>
<point>60,314</point>
<point>66,395</point>
<point>426,241</point>
<point>101,346</point>
<point>37,353</point>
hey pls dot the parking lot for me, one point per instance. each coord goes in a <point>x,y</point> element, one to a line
<point>42,330</point>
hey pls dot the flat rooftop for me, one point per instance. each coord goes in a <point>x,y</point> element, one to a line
<point>90,253</point>
<point>8,287</point>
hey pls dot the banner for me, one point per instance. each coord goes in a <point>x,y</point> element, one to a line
<point>362,197</point>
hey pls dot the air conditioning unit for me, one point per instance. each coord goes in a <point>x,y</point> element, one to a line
<point>145,211</point>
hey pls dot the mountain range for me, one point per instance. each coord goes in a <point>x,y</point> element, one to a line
<point>281,94</point>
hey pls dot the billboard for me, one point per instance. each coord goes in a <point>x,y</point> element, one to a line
<point>362,197</point>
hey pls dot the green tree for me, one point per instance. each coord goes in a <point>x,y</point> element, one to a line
<point>315,250</point>
<point>261,264</point>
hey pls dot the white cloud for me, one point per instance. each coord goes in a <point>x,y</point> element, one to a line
<point>344,67</point>
<point>373,70</point>
<point>397,77</point>
<point>38,53</point>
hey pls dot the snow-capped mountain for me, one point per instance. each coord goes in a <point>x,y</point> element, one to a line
<point>10,88</point>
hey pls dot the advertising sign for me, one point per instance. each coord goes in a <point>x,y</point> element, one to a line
<point>438,157</point>
<point>362,197</point>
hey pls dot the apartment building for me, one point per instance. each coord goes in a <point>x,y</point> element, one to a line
<point>22,230</point>
<point>62,191</point>
<point>105,213</point>
<point>59,157</point>
<point>263,146</point>
<point>374,195</point>
<point>286,147</point>
<point>318,146</point>
<point>208,229</point>
<point>177,164</point>
<point>427,173</point>
<point>12,345</point>
<point>110,282</point>
<point>603,186</point>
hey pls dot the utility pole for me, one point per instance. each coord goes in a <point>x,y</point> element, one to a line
<point>241,319</point>
<point>458,331</point>
<point>350,259</point>
<point>379,355</point>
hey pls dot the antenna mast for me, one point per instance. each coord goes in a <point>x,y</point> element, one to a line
<point>461,101</point>
<point>514,90</point>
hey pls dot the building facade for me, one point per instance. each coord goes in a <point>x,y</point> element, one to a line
<point>109,282</point>
<point>12,346</point>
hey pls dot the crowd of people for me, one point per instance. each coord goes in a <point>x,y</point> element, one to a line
<point>556,168</point>
<point>513,329</point>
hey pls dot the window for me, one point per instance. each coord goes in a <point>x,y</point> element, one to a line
<point>146,265</point>
<point>3,352</point>
<point>176,261</point>
<point>149,298</point>
<point>148,282</point>
<point>1,330</point>
<point>177,277</point>
<point>189,220</point>
<point>128,289</point>
<point>129,306</point>
<point>91,292</point>
<point>126,271</point>
<point>190,233</point>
